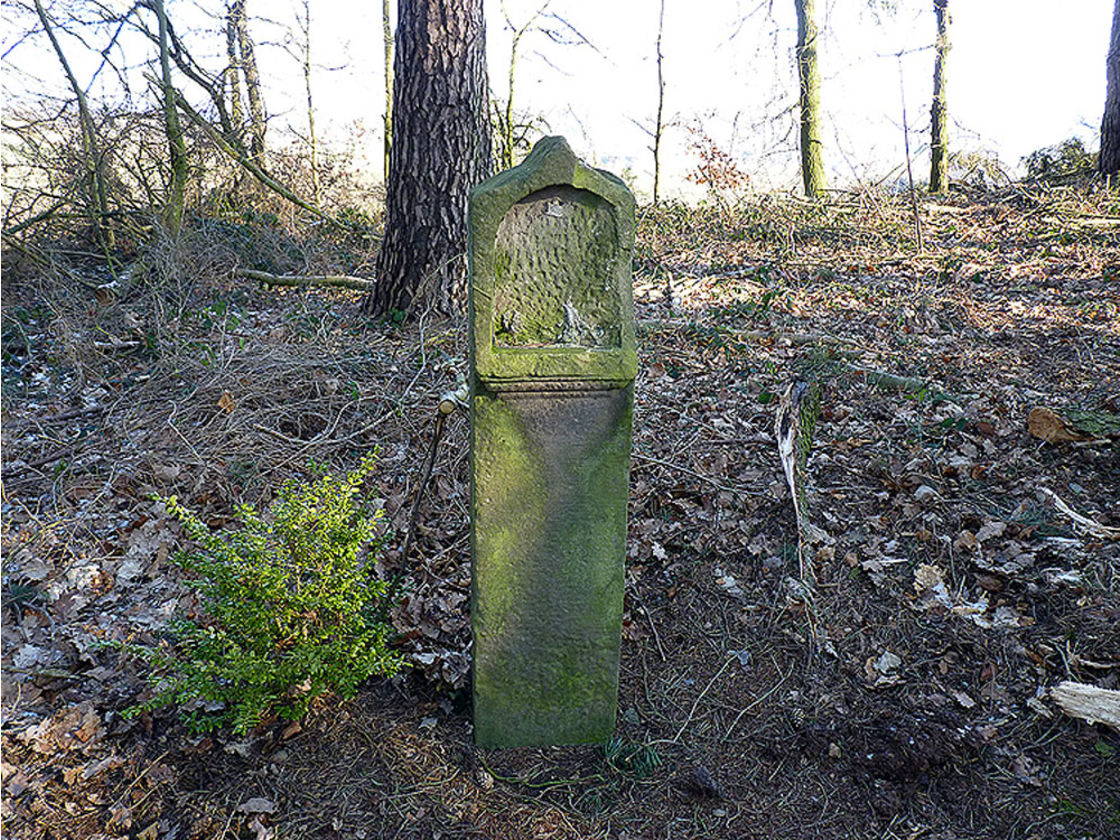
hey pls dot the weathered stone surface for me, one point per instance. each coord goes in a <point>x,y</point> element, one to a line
<point>552,363</point>
<point>550,243</point>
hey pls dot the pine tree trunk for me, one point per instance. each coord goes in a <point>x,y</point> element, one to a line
<point>1110,125</point>
<point>939,114</point>
<point>441,148</point>
<point>809,78</point>
<point>387,43</point>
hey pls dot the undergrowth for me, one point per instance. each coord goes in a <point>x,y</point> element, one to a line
<point>291,610</point>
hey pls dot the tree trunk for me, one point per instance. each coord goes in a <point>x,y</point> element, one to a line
<point>939,115</point>
<point>809,78</point>
<point>311,139</point>
<point>658,125</point>
<point>232,74</point>
<point>387,39</point>
<point>1110,125</point>
<point>252,81</point>
<point>98,195</point>
<point>177,147</point>
<point>441,148</point>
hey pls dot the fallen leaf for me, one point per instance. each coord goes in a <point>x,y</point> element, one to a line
<point>966,541</point>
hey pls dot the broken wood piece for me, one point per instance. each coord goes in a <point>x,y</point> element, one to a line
<point>343,281</point>
<point>906,384</point>
<point>1088,703</point>
<point>1092,526</point>
<point>1071,425</point>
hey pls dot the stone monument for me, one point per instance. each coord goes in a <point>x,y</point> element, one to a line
<point>551,372</point>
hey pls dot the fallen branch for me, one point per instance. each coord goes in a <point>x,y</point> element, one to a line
<point>1092,526</point>
<point>1088,703</point>
<point>908,384</point>
<point>252,168</point>
<point>342,281</point>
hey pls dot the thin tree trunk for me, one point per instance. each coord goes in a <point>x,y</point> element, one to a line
<point>1110,124</point>
<point>98,198</point>
<point>232,74</point>
<point>177,147</point>
<point>939,114</point>
<point>658,126</point>
<point>809,99</point>
<point>387,39</point>
<point>257,123</point>
<point>441,148</point>
<point>506,137</point>
<point>315,189</point>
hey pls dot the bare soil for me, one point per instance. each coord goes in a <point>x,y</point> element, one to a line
<point>953,591</point>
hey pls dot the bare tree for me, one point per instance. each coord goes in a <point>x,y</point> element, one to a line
<point>231,75</point>
<point>809,98</point>
<point>312,142</point>
<point>248,66</point>
<point>658,125</point>
<point>177,147</point>
<point>939,113</point>
<point>441,148</point>
<point>98,206</point>
<point>1110,124</point>
<point>504,119</point>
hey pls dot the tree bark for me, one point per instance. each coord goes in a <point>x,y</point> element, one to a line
<point>387,40</point>
<point>1110,125</point>
<point>177,146</point>
<point>939,113</point>
<point>441,148</point>
<point>231,77</point>
<point>257,124</point>
<point>809,78</point>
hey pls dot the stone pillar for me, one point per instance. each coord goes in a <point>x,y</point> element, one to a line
<point>552,369</point>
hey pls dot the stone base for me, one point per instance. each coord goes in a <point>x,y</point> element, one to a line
<point>549,478</point>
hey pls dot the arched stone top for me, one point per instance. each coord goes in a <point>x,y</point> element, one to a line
<point>550,244</point>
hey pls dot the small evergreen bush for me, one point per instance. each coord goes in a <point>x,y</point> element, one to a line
<point>290,610</point>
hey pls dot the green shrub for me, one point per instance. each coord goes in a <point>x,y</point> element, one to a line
<point>1070,157</point>
<point>290,610</point>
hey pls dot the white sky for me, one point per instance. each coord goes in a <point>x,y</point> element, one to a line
<point>1023,74</point>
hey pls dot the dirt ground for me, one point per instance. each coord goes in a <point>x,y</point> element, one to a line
<point>954,591</point>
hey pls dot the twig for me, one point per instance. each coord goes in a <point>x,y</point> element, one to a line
<point>909,171</point>
<point>14,472</point>
<point>652,626</point>
<point>692,712</point>
<point>441,416</point>
<point>344,281</point>
<point>728,488</point>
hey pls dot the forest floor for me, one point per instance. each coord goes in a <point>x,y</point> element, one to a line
<point>954,592</point>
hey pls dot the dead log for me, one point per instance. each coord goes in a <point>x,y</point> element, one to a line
<point>1072,425</point>
<point>1088,703</point>
<point>342,281</point>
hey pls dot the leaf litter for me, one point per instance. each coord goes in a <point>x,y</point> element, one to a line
<point>957,591</point>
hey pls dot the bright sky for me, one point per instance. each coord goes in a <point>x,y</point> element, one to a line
<point>1023,74</point>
